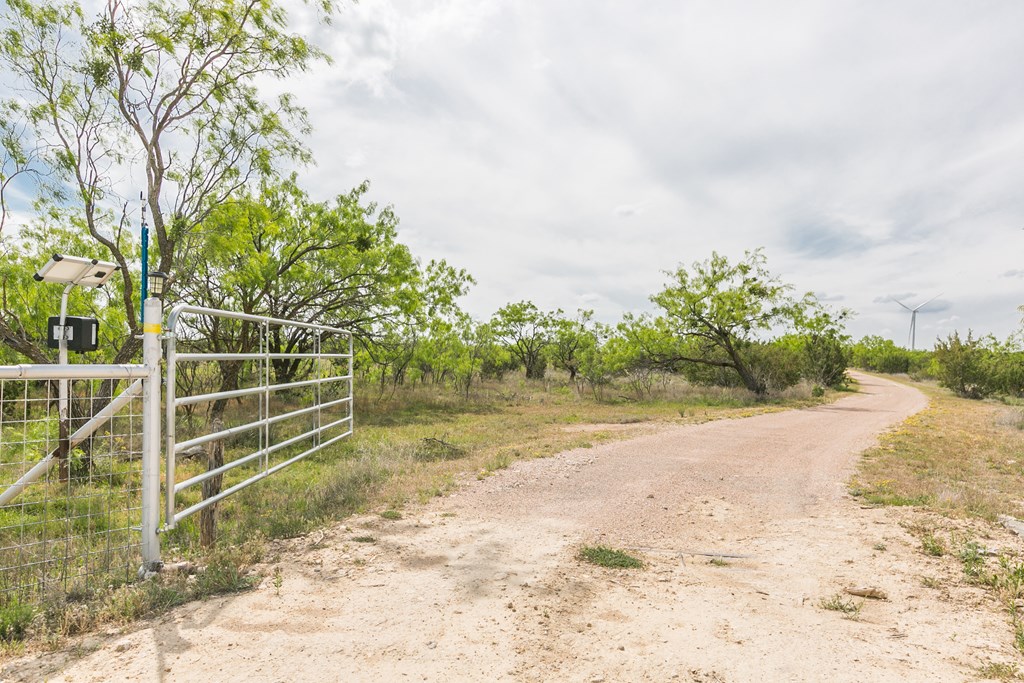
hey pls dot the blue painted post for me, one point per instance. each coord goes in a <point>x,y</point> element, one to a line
<point>145,259</point>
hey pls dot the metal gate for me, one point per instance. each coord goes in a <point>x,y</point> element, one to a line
<point>298,386</point>
<point>80,498</point>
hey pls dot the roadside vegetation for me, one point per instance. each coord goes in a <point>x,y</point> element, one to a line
<point>960,457</point>
<point>609,558</point>
<point>971,367</point>
<point>960,463</point>
<point>410,446</point>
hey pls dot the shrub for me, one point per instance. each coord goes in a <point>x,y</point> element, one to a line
<point>825,359</point>
<point>960,365</point>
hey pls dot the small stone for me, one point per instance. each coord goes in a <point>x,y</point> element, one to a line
<point>432,644</point>
<point>622,647</point>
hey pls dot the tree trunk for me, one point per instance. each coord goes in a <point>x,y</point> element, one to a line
<point>535,368</point>
<point>211,487</point>
<point>749,380</point>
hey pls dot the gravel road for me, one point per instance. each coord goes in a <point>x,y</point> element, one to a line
<point>745,526</point>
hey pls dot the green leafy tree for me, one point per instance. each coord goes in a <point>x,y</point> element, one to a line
<point>637,351</point>
<point>595,368</point>
<point>165,88</point>
<point>526,332</point>
<point>570,338</point>
<point>715,311</point>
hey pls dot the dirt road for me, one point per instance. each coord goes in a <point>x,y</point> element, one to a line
<point>484,585</point>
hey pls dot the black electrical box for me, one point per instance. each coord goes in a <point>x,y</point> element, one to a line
<point>82,333</point>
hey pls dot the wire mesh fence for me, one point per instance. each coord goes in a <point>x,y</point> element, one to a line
<point>75,529</point>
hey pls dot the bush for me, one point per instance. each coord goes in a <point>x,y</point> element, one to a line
<point>961,366</point>
<point>15,620</point>
<point>778,365</point>
<point>880,355</point>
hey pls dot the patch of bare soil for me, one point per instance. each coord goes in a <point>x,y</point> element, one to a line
<point>745,527</point>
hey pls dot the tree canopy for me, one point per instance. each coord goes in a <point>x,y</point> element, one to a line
<point>164,90</point>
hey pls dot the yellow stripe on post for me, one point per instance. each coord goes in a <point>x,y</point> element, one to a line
<point>152,328</point>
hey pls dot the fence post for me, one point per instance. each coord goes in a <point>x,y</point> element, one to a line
<point>152,316</point>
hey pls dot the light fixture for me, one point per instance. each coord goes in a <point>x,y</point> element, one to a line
<point>76,270</point>
<point>157,281</point>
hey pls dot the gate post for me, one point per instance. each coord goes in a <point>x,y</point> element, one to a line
<point>152,315</point>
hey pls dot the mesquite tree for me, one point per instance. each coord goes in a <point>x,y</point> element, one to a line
<point>715,310</point>
<point>162,91</point>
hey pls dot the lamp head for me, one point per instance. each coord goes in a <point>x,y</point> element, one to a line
<point>157,283</point>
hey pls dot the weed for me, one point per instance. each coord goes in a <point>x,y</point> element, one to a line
<point>603,556</point>
<point>999,671</point>
<point>15,620</point>
<point>839,603</point>
<point>226,571</point>
<point>391,514</point>
<point>364,539</point>
<point>973,561</point>
<point>278,580</point>
<point>931,582</point>
<point>933,545</point>
<point>499,461</point>
<point>719,562</point>
<point>880,547</point>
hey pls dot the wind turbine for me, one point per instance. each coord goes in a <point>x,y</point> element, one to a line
<point>913,317</point>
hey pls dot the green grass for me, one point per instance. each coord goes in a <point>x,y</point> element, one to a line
<point>391,515</point>
<point>999,671</point>
<point>933,545</point>
<point>603,556</point>
<point>15,619</point>
<point>840,603</point>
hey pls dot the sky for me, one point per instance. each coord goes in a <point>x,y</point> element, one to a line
<point>569,152</point>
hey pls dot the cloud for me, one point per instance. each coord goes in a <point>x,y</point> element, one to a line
<point>875,151</point>
<point>628,210</point>
<point>894,298</point>
<point>826,238</point>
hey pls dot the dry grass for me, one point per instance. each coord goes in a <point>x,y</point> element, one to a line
<point>962,459</point>
<point>959,457</point>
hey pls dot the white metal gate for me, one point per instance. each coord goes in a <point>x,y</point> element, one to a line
<point>321,393</point>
